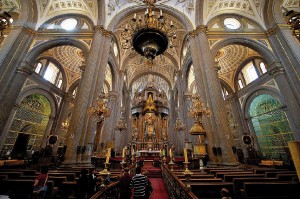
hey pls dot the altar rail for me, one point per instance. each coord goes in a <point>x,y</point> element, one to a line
<point>174,186</point>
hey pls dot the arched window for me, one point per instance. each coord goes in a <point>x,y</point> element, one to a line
<point>249,72</point>
<point>224,92</point>
<point>50,72</point>
<point>38,68</point>
<point>271,127</point>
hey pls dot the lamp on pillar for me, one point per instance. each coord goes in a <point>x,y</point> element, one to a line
<point>149,35</point>
<point>178,126</point>
<point>293,19</point>
<point>5,19</point>
<point>101,110</point>
<point>121,125</point>
<point>196,112</point>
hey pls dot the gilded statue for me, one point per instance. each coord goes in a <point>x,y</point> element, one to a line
<point>150,104</point>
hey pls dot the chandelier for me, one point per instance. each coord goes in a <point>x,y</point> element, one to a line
<point>293,19</point>
<point>5,19</point>
<point>121,125</point>
<point>196,112</point>
<point>101,110</point>
<point>147,34</point>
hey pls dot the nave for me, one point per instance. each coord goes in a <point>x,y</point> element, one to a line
<point>169,180</point>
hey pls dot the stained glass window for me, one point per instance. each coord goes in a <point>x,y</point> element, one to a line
<point>271,127</point>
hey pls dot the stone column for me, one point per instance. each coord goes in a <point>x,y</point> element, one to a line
<point>241,124</point>
<point>65,109</point>
<point>91,128</point>
<point>293,109</point>
<point>286,48</point>
<point>8,100</point>
<point>212,90</point>
<point>47,131</point>
<point>84,93</point>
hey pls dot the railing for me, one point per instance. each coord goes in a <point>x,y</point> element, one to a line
<point>110,191</point>
<point>174,186</point>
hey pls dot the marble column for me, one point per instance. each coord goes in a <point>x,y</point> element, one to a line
<point>47,131</point>
<point>64,111</point>
<point>91,128</point>
<point>241,124</point>
<point>286,48</point>
<point>84,93</point>
<point>212,89</point>
<point>293,109</point>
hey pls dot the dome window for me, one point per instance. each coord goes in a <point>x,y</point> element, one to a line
<point>232,23</point>
<point>69,24</point>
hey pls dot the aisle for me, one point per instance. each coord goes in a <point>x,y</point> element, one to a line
<point>159,189</point>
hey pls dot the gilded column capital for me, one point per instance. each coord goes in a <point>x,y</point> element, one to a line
<point>178,72</point>
<point>103,31</point>
<point>29,31</point>
<point>199,29</point>
<point>232,97</point>
<point>113,95</point>
<point>275,28</point>
<point>25,69</point>
<point>276,69</point>
<point>187,95</point>
<point>82,66</point>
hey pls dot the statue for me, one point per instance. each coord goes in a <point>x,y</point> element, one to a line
<point>150,104</point>
<point>150,128</point>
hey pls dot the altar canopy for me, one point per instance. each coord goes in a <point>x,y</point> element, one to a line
<point>150,110</point>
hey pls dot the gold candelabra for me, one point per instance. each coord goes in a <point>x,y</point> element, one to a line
<point>148,34</point>
<point>121,125</point>
<point>196,112</point>
<point>101,110</point>
<point>5,19</point>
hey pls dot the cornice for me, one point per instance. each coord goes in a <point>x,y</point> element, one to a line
<point>199,29</point>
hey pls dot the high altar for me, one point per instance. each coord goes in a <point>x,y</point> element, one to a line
<point>150,121</point>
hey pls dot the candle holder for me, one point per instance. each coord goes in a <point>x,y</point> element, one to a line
<point>187,173</point>
<point>171,163</point>
<point>132,160</point>
<point>164,159</point>
<point>104,173</point>
<point>123,161</point>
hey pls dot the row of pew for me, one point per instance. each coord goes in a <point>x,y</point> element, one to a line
<point>62,182</point>
<point>242,183</point>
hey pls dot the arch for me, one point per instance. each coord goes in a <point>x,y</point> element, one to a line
<point>240,67</point>
<point>148,73</point>
<point>60,68</point>
<point>272,14</point>
<point>44,46</point>
<point>258,47</point>
<point>263,90</point>
<point>74,85</point>
<point>72,15</point>
<point>133,9</point>
<point>37,90</point>
<point>226,86</point>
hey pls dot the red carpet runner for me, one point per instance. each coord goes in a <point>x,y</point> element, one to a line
<point>159,189</point>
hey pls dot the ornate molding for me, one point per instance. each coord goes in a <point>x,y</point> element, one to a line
<point>24,70</point>
<point>199,29</point>
<point>103,31</point>
<point>276,69</point>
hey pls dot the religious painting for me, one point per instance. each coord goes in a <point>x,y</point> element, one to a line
<point>200,150</point>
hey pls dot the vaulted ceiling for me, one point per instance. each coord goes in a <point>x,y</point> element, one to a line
<point>190,14</point>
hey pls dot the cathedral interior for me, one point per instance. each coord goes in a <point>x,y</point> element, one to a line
<point>217,81</point>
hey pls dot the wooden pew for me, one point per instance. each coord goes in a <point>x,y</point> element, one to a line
<point>214,172</point>
<point>11,174</point>
<point>70,176</point>
<point>202,180</point>
<point>20,189</point>
<point>57,180</point>
<point>221,174</point>
<point>230,177</point>
<point>196,176</point>
<point>272,174</point>
<point>287,177</point>
<point>239,182</point>
<point>274,190</point>
<point>210,190</point>
<point>264,170</point>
